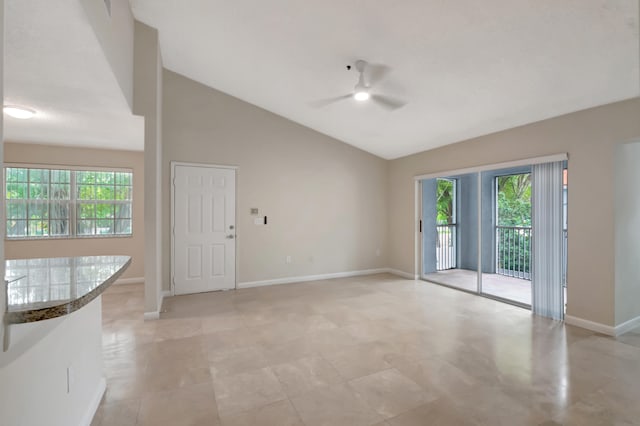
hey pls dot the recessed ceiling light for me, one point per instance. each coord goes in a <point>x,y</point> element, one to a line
<point>19,112</point>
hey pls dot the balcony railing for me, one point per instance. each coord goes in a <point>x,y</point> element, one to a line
<point>513,251</point>
<point>446,247</point>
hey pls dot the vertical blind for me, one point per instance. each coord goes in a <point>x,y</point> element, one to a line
<point>547,218</point>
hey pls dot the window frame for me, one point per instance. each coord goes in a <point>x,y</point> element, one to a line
<point>73,201</point>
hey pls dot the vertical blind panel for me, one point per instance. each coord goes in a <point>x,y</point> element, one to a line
<point>547,291</point>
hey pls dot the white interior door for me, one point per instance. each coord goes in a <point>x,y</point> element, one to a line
<point>204,248</point>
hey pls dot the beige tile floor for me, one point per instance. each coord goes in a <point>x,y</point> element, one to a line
<point>374,350</point>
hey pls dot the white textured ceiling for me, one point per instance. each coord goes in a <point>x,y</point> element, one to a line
<point>55,65</point>
<point>465,67</point>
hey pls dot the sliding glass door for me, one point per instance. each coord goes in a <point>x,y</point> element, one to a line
<point>478,232</point>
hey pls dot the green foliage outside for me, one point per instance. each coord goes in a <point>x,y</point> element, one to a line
<point>514,210</point>
<point>39,202</point>
<point>445,195</point>
<point>514,200</point>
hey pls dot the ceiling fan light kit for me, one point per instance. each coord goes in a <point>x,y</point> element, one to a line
<point>361,94</point>
<point>362,91</point>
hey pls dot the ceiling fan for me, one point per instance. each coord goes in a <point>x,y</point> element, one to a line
<point>362,91</point>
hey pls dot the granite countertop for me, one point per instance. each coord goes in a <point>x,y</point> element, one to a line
<point>40,289</point>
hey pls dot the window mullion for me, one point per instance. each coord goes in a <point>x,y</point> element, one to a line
<point>27,233</point>
<point>113,206</point>
<point>73,205</point>
<point>49,190</point>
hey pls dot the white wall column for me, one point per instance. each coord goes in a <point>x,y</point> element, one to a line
<point>147,102</point>
<point>627,243</point>
<point>3,293</point>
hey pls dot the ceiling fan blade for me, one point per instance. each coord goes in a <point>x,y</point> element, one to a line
<point>321,103</point>
<point>377,73</point>
<point>388,102</point>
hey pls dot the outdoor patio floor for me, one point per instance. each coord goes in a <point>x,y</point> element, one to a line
<point>510,288</point>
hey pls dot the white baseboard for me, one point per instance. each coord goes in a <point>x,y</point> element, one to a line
<point>95,403</point>
<point>627,326</point>
<point>134,280</point>
<point>289,280</point>
<point>402,274</point>
<point>155,315</point>
<point>151,316</point>
<point>590,325</point>
<point>609,330</point>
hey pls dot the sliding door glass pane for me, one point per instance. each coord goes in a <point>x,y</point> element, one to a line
<point>450,231</point>
<point>506,234</point>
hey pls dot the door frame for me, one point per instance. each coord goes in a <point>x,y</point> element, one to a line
<point>172,228</point>
<point>417,194</point>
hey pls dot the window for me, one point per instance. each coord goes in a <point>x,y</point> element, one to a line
<point>57,203</point>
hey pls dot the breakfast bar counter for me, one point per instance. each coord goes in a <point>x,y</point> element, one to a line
<point>41,289</point>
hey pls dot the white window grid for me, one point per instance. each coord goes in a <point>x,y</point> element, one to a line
<point>119,224</point>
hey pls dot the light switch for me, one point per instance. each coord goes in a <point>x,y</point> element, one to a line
<point>258,221</point>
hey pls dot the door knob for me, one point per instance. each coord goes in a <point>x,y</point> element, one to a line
<point>230,236</point>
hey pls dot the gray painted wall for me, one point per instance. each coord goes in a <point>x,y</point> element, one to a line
<point>467,220</point>
<point>488,211</point>
<point>326,201</point>
<point>467,205</point>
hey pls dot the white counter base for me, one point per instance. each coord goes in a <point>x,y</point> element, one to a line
<point>33,372</point>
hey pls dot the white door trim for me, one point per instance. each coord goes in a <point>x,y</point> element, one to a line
<point>189,164</point>
<point>175,164</point>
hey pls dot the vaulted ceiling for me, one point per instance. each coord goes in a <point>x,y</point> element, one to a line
<point>54,64</point>
<point>465,68</point>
